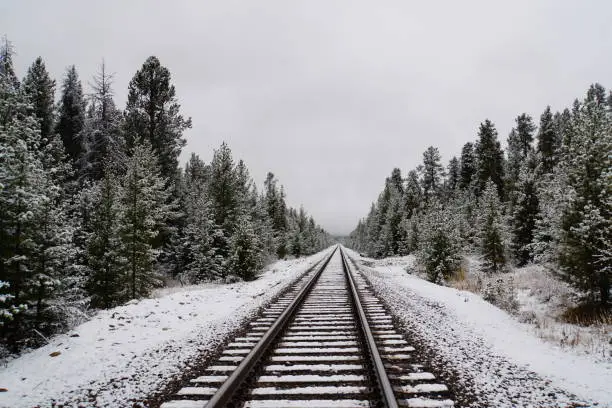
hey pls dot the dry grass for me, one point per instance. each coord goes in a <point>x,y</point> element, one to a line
<point>548,306</point>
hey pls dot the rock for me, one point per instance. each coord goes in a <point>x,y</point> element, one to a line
<point>55,354</point>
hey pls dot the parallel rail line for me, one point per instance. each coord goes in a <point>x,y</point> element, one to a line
<point>328,342</point>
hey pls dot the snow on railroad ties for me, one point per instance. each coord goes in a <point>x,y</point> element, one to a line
<point>130,352</point>
<point>497,357</point>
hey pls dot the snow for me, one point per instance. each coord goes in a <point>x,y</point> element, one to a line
<point>498,358</point>
<point>129,352</point>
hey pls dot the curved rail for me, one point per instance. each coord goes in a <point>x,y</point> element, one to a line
<point>226,392</point>
<point>384,385</point>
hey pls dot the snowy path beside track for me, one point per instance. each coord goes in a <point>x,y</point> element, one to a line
<point>495,358</point>
<point>129,352</point>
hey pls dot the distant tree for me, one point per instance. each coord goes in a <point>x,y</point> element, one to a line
<point>71,119</point>
<point>524,216</point>
<point>246,253</point>
<point>453,174</point>
<point>102,131</point>
<point>413,194</point>
<point>153,114</point>
<point>40,90</point>
<point>439,249</point>
<point>548,141</point>
<point>432,173</point>
<point>467,165</point>
<point>491,229</point>
<point>490,158</point>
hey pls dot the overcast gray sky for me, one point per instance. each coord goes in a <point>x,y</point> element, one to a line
<point>331,95</point>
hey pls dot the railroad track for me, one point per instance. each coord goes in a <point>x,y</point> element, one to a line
<point>328,342</point>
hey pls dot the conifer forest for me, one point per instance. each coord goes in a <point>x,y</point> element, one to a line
<point>322,204</point>
<point>97,210</point>
<point>546,199</point>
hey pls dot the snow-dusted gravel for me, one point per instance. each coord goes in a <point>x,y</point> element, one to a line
<point>493,359</point>
<point>128,353</point>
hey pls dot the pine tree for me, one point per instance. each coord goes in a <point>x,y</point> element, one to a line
<point>490,158</point>
<point>144,209</point>
<point>246,254</point>
<point>467,165</point>
<point>548,142</point>
<point>586,223</point>
<point>71,119</point>
<point>413,195</point>
<point>105,261</point>
<point>439,250</point>
<point>152,114</point>
<point>491,226</point>
<point>224,196</point>
<point>453,175</point>
<point>523,222</point>
<point>40,90</point>
<point>432,173</point>
<point>102,133</point>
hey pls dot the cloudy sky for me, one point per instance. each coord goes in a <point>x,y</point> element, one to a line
<point>331,95</point>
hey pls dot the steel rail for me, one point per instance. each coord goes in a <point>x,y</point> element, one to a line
<point>384,385</point>
<point>225,393</point>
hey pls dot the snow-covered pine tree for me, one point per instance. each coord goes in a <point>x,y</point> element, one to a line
<point>489,158</point>
<point>143,209</point>
<point>40,90</point>
<point>105,145</point>
<point>413,195</point>
<point>106,261</point>
<point>71,119</point>
<point>548,142</point>
<point>152,113</point>
<point>246,258</point>
<point>22,195</point>
<point>525,211</point>
<point>200,258</point>
<point>432,173</point>
<point>491,229</point>
<point>519,146</point>
<point>586,222</point>
<point>439,248</point>
<point>468,166</point>
<point>453,176</point>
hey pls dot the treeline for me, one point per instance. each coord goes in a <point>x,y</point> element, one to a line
<point>546,199</point>
<point>95,209</point>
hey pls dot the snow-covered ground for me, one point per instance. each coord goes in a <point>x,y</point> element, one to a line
<point>129,352</point>
<point>496,358</point>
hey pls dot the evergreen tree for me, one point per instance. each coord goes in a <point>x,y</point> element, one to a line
<point>224,196</point>
<point>413,195</point>
<point>40,90</point>
<point>432,173</point>
<point>246,254</point>
<point>152,114</point>
<point>548,141</point>
<point>467,165</point>
<point>525,212</point>
<point>586,226</point>
<point>453,175</point>
<point>492,232</point>
<point>439,249</point>
<point>71,119</point>
<point>102,132</point>
<point>144,208</point>
<point>105,258</point>
<point>490,158</point>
